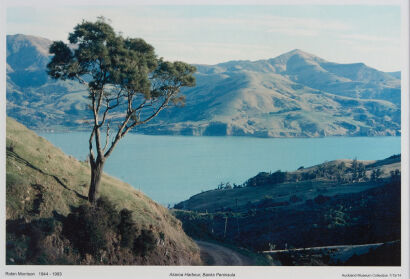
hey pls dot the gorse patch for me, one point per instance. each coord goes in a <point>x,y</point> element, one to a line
<point>144,243</point>
<point>87,227</point>
<point>29,237</point>
<point>127,228</point>
<point>90,228</point>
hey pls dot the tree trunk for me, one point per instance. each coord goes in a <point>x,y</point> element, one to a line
<point>96,173</point>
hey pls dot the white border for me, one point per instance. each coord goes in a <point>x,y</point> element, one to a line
<point>147,272</point>
<point>405,126</point>
<point>203,2</point>
<point>2,134</point>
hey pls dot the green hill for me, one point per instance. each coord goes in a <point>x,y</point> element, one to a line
<point>342,202</point>
<point>43,185</point>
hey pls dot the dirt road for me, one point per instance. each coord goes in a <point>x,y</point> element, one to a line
<point>213,254</point>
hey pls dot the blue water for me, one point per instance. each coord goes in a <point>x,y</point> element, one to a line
<point>170,169</point>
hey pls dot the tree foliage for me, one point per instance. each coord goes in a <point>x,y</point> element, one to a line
<point>264,178</point>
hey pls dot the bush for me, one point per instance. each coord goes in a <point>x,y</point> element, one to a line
<point>294,198</point>
<point>264,178</point>
<point>109,211</point>
<point>46,226</point>
<point>309,175</point>
<point>87,226</point>
<point>144,243</point>
<point>86,229</point>
<point>38,230</point>
<point>395,176</point>
<point>11,146</point>
<point>321,199</point>
<point>127,228</point>
<point>265,202</point>
<point>30,236</point>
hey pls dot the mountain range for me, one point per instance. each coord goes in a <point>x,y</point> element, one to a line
<point>296,94</point>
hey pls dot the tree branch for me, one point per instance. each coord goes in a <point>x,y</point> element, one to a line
<point>96,129</point>
<point>90,146</point>
<point>154,114</point>
<point>107,136</point>
<point>80,80</point>
<point>118,135</point>
<point>107,108</point>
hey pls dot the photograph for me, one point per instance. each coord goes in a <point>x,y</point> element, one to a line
<point>204,139</point>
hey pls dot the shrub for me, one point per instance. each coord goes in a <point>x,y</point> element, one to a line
<point>109,211</point>
<point>278,177</point>
<point>144,243</point>
<point>375,175</point>
<point>321,199</point>
<point>11,146</point>
<point>127,228</point>
<point>87,226</point>
<point>395,176</point>
<point>265,202</point>
<point>30,236</point>
<point>264,178</point>
<point>294,198</point>
<point>309,175</point>
<point>46,226</point>
<point>86,229</point>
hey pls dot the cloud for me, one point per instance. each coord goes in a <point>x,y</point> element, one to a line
<point>368,38</point>
<point>290,26</point>
<point>212,53</point>
<point>304,26</point>
<point>382,56</point>
<point>213,37</point>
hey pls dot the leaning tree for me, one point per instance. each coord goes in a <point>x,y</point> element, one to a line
<point>128,85</point>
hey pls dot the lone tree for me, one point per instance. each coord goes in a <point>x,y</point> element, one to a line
<point>128,85</point>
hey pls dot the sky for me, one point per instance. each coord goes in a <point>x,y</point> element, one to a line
<point>210,34</point>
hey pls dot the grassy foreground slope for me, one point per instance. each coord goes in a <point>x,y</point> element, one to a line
<point>43,185</point>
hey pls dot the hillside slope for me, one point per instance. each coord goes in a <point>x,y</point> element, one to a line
<point>330,179</point>
<point>296,94</point>
<point>43,185</point>
<point>33,98</point>
<point>342,202</point>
